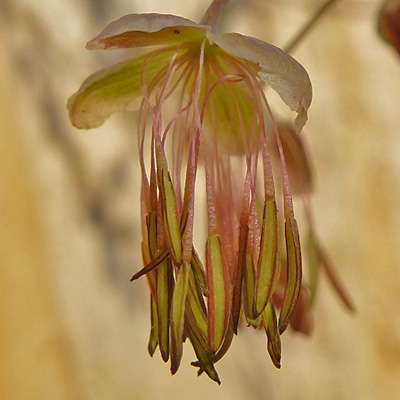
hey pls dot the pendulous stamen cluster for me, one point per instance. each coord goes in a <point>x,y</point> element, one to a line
<point>203,108</point>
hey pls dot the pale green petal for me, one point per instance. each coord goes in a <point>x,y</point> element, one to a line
<point>116,88</point>
<point>230,111</point>
<point>138,30</point>
<point>277,68</point>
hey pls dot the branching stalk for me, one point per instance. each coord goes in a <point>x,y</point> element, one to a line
<point>308,26</point>
<point>213,13</point>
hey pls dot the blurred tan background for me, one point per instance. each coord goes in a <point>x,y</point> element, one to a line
<point>71,324</point>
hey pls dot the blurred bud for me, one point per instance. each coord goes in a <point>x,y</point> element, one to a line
<point>389,22</point>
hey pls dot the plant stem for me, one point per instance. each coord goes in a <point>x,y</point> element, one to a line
<point>308,26</point>
<point>213,13</point>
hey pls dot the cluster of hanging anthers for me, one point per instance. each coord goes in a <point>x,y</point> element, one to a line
<point>203,106</point>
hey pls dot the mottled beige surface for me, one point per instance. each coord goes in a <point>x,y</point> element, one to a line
<point>73,327</point>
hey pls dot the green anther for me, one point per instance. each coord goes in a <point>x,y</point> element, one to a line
<point>197,305</point>
<point>199,273</point>
<point>200,348</point>
<point>267,267</point>
<point>293,285</point>
<point>248,288</point>
<point>170,213</point>
<point>153,340</point>
<point>164,291</point>
<point>178,315</point>
<point>218,296</point>
<point>313,266</point>
<point>271,329</point>
<point>152,232</point>
<point>238,278</point>
<point>152,265</point>
<point>222,350</point>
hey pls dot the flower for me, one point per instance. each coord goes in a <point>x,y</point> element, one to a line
<point>202,105</point>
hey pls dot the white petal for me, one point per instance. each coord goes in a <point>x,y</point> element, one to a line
<point>277,68</point>
<point>139,23</point>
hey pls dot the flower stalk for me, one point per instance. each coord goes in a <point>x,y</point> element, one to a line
<point>213,13</point>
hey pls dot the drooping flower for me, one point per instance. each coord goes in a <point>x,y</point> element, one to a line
<point>202,106</point>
